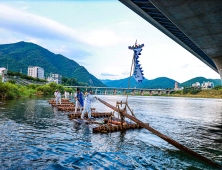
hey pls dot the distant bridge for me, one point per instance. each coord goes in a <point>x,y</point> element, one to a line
<point>159,91</point>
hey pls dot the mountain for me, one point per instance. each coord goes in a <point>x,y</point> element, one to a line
<point>200,80</point>
<point>22,54</point>
<point>105,81</point>
<point>161,82</point>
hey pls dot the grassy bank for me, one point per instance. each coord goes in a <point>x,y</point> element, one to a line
<point>192,92</point>
<point>10,90</point>
<point>208,93</point>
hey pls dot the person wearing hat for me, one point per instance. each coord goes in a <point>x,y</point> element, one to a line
<point>87,107</point>
<point>79,100</point>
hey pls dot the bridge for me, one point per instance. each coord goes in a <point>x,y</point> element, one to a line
<point>195,25</point>
<point>150,91</point>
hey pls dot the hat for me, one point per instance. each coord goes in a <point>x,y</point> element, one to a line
<point>91,91</point>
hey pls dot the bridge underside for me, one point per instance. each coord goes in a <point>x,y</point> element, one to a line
<point>195,25</point>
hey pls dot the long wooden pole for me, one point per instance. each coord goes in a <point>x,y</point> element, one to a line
<point>164,137</point>
<point>130,74</point>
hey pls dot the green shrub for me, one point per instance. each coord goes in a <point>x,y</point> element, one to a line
<point>217,87</point>
<point>9,95</point>
<point>177,92</point>
<point>70,90</point>
<point>8,90</point>
<point>195,91</point>
<point>12,81</point>
<point>32,86</point>
<point>185,91</point>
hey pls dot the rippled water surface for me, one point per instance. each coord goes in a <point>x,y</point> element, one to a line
<point>36,136</point>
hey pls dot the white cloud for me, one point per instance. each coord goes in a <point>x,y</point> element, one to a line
<point>34,25</point>
<point>126,73</point>
<point>103,37</point>
<point>108,74</point>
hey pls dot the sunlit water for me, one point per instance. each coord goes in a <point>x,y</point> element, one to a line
<point>36,136</point>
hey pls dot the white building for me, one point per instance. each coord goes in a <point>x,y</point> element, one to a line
<point>207,85</point>
<point>197,84</point>
<point>35,71</point>
<point>57,78</point>
<point>1,69</point>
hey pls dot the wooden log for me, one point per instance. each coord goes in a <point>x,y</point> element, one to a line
<point>78,115</point>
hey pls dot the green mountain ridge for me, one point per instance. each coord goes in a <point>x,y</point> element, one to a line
<point>189,83</point>
<point>23,54</point>
<point>158,83</point>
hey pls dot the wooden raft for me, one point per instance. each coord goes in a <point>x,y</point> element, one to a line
<point>93,114</point>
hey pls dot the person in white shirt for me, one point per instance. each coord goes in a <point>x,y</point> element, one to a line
<point>66,95</point>
<point>55,94</point>
<point>58,97</point>
<point>87,104</point>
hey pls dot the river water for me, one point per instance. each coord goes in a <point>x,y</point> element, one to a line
<point>36,136</point>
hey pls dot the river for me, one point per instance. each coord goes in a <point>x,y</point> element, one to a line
<point>36,136</point>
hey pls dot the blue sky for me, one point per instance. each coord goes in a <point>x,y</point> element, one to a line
<point>96,34</point>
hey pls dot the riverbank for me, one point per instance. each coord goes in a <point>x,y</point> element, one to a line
<point>208,93</point>
<point>11,91</point>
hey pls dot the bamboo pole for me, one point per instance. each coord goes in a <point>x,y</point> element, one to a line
<point>130,73</point>
<point>164,137</point>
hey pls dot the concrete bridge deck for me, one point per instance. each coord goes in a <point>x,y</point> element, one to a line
<point>159,91</point>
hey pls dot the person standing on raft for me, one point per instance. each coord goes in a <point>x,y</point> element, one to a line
<point>58,97</point>
<point>79,100</point>
<point>87,104</point>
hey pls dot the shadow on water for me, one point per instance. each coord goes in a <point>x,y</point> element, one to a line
<point>35,135</point>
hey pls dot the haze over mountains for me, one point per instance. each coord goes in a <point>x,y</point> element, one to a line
<point>23,54</point>
<point>158,83</point>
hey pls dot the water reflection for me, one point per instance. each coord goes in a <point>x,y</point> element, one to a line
<point>35,135</point>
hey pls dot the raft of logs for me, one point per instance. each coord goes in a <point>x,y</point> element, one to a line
<point>114,128</point>
<point>93,114</point>
<point>108,125</point>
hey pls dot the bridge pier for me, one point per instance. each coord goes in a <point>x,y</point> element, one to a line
<point>151,92</point>
<point>124,92</point>
<point>133,93</point>
<point>142,92</point>
<point>95,91</point>
<point>159,92</point>
<point>168,92</point>
<point>114,91</point>
<point>105,91</point>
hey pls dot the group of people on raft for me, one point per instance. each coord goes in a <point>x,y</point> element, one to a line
<point>79,101</point>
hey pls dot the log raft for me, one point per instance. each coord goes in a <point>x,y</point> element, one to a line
<point>93,114</point>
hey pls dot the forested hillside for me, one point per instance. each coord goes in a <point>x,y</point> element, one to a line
<point>22,54</point>
<point>161,82</point>
<point>200,80</point>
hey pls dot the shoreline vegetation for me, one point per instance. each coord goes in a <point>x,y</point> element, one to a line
<point>10,90</point>
<point>216,92</point>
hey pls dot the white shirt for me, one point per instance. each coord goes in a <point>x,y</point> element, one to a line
<point>59,95</point>
<point>56,93</point>
<point>89,99</point>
